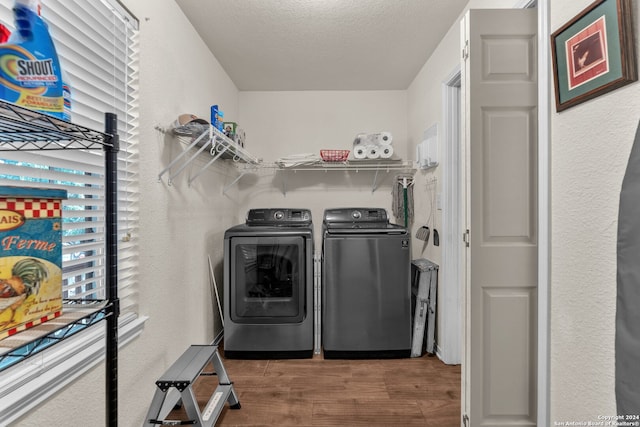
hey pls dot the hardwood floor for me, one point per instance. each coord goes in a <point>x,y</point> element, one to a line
<point>317,392</point>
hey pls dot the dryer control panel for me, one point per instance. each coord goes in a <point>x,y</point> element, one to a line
<point>278,216</point>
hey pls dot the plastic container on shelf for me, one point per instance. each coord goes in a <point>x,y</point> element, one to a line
<point>29,67</point>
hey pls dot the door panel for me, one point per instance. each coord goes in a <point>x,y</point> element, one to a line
<point>508,380</point>
<point>509,204</point>
<point>500,116</point>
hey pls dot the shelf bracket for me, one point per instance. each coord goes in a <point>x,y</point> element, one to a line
<point>187,161</point>
<point>224,191</point>
<point>374,186</point>
<point>216,156</point>
<point>284,183</point>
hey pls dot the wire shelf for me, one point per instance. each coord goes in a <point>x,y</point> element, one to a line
<point>77,316</point>
<point>26,130</point>
<point>214,142</point>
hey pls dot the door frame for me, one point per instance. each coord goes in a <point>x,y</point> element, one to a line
<point>452,222</point>
<point>544,212</point>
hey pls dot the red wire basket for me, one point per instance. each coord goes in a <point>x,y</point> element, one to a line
<point>334,155</point>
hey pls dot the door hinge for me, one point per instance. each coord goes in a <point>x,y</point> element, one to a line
<point>465,237</point>
<point>465,420</point>
<point>465,50</point>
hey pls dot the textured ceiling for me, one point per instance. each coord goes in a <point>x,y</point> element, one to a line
<point>267,45</point>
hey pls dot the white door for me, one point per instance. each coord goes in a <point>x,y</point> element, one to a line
<point>499,86</point>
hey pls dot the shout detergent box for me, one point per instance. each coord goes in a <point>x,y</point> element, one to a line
<point>30,257</point>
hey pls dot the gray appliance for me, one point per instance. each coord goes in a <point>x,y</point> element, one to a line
<point>268,286</point>
<point>366,285</point>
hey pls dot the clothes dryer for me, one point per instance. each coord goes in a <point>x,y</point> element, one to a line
<point>268,285</point>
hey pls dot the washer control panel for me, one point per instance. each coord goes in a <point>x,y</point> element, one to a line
<point>356,215</point>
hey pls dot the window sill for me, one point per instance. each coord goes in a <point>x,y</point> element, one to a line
<point>29,383</point>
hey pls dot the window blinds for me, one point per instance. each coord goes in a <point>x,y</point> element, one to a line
<point>97,45</point>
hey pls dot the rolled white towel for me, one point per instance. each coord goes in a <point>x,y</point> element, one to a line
<point>298,160</point>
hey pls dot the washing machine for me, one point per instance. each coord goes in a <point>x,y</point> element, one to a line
<point>268,286</point>
<point>366,285</point>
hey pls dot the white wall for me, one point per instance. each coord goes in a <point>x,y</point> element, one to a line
<point>590,147</point>
<point>425,110</point>
<point>280,124</point>
<point>179,225</point>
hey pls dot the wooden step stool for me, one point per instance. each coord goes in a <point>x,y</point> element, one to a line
<point>181,376</point>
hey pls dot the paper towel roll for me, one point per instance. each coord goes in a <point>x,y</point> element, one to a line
<point>360,152</point>
<point>376,138</point>
<point>373,152</point>
<point>386,151</point>
<point>385,138</point>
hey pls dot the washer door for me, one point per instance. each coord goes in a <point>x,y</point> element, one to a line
<point>267,279</point>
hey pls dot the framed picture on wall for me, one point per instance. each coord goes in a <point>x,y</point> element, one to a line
<point>594,53</point>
